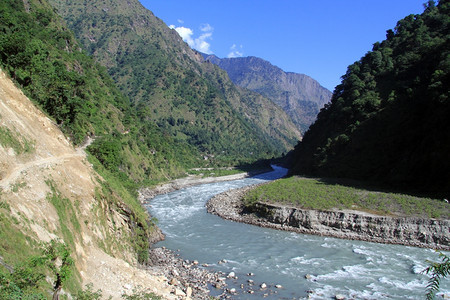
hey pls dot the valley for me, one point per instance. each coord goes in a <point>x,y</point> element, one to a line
<point>114,134</point>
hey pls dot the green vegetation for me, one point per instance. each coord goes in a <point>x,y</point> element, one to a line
<point>388,119</point>
<point>141,295</point>
<point>27,280</point>
<point>16,186</point>
<point>311,193</point>
<point>23,245</point>
<point>70,229</point>
<point>115,193</point>
<point>258,167</point>
<point>88,293</point>
<point>43,57</point>
<point>189,101</point>
<point>213,172</point>
<point>56,257</point>
<point>438,271</point>
<point>68,220</point>
<point>15,141</point>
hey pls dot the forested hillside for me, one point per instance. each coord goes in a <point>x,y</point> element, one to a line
<point>169,84</point>
<point>300,96</point>
<point>388,121</point>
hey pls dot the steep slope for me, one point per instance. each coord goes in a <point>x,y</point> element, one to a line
<point>42,55</point>
<point>48,191</point>
<point>388,119</point>
<point>300,96</point>
<point>170,84</point>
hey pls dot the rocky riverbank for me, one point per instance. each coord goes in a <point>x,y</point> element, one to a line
<point>187,278</point>
<point>354,225</point>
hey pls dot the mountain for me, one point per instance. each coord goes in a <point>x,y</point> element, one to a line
<point>300,96</point>
<point>169,84</point>
<point>45,59</point>
<point>388,119</point>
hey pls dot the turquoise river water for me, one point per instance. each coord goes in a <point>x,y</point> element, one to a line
<point>355,269</point>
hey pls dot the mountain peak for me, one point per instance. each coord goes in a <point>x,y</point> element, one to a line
<point>298,94</point>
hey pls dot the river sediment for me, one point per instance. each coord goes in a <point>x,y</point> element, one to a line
<point>187,278</point>
<point>353,225</point>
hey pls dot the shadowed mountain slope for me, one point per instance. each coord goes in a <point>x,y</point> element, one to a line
<point>388,119</point>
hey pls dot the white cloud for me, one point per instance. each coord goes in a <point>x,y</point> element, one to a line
<point>185,33</point>
<point>206,28</point>
<point>200,43</point>
<point>235,52</point>
<point>180,21</point>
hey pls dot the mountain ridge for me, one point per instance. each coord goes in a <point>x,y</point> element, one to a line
<point>300,96</point>
<point>171,85</point>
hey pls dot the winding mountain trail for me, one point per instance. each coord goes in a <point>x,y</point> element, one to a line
<point>14,174</point>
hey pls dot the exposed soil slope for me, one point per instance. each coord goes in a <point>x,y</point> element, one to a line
<point>24,186</point>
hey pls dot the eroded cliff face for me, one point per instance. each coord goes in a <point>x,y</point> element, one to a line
<point>418,232</point>
<point>354,225</point>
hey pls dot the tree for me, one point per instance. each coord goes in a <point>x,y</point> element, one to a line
<point>438,271</point>
<point>56,256</point>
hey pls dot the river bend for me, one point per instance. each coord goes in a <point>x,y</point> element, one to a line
<point>301,264</point>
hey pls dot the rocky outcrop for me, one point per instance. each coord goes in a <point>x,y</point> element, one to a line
<point>355,225</point>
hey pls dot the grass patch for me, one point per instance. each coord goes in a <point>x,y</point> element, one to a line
<point>310,193</point>
<point>16,186</point>
<point>15,246</point>
<point>68,220</point>
<point>122,197</point>
<point>68,224</point>
<point>258,167</point>
<point>17,142</point>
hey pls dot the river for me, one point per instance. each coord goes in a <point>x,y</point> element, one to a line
<point>303,265</point>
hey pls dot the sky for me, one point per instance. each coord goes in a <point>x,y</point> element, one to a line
<point>319,38</point>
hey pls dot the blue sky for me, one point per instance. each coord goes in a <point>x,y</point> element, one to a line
<point>319,38</point>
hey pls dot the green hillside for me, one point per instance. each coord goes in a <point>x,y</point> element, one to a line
<point>169,84</point>
<point>45,59</point>
<point>388,120</point>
